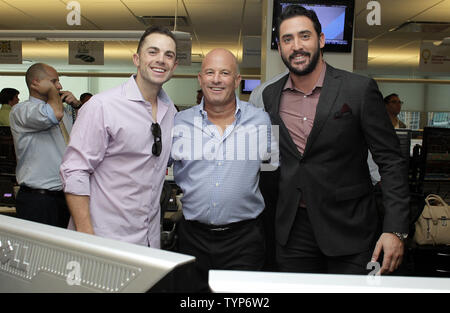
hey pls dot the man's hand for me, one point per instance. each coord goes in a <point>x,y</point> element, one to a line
<point>69,98</point>
<point>393,249</point>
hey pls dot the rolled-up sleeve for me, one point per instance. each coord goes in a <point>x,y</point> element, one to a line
<point>88,142</point>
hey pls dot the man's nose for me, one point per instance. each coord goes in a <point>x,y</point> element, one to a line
<point>216,78</point>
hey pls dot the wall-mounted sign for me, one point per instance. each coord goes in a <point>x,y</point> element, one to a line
<point>434,58</point>
<point>184,50</point>
<point>251,55</point>
<point>10,52</point>
<point>86,53</point>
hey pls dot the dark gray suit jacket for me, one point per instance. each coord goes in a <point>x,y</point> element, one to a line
<point>332,174</point>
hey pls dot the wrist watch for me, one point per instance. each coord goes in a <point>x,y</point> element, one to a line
<point>401,236</point>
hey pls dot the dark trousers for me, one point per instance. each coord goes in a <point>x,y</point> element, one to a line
<point>302,254</point>
<point>241,247</point>
<point>46,208</point>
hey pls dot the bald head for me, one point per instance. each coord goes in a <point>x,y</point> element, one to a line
<point>37,71</point>
<point>226,56</point>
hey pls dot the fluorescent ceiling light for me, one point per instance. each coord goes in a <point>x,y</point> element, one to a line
<point>83,35</point>
<point>443,42</point>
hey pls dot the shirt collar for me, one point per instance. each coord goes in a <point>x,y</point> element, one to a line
<point>36,100</point>
<point>201,108</point>
<point>319,84</point>
<point>133,93</point>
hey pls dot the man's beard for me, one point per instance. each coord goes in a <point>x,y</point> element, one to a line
<point>309,68</point>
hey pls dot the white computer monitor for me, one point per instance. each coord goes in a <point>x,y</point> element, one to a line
<point>39,258</point>
<point>270,282</point>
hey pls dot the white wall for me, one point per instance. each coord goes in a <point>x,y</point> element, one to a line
<point>437,98</point>
<point>420,97</point>
<point>411,94</point>
<point>17,82</point>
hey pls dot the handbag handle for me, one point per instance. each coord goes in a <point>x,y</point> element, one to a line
<point>438,199</point>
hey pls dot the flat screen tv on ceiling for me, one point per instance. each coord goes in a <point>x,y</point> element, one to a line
<point>335,16</point>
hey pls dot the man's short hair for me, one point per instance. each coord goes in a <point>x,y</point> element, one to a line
<point>294,10</point>
<point>156,29</point>
<point>7,94</point>
<point>389,97</point>
<point>35,71</point>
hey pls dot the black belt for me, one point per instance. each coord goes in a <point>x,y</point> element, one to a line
<point>27,189</point>
<point>220,228</point>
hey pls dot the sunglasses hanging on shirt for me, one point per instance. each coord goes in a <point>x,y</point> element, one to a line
<point>157,144</point>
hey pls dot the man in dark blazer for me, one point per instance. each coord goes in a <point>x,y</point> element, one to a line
<point>326,219</point>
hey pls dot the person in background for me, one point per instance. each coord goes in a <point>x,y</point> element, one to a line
<point>114,168</point>
<point>393,107</point>
<point>326,220</point>
<point>85,97</point>
<point>40,127</point>
<point>222,204</point>
<point>8,97</point>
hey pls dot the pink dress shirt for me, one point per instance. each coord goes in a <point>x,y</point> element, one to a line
<point>110,159</point>
<point>298,110</point>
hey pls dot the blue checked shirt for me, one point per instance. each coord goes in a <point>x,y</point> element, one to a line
<point>219,174</point>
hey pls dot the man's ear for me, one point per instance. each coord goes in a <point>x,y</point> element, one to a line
<point>175,65</point>
<point>237,81</point>
<point>34,83</point>
<point>136,59</point>
<point>322,40</point>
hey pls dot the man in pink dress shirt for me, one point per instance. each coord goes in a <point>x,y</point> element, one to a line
<point>114,167</point>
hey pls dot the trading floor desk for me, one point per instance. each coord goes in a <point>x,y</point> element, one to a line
<point>42,258</point>
<point>269,282</point>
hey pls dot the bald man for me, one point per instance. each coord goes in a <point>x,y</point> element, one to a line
<point>40,127</point>
<point>219,147</point>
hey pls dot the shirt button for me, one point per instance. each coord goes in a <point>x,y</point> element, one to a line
<point>305,118</point>
<point>220,163</point>
<point>305,96</point>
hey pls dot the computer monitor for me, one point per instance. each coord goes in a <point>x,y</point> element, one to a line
<point>269,282</point>
<point>7,153</point>
<point>39,258</point>
<point>436,154</point>
<point>335,16</point>
<point>247,85</point>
